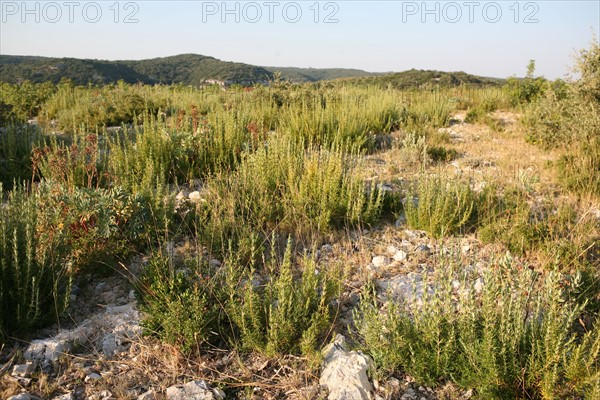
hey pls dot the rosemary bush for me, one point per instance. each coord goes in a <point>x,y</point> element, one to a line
<point>513,338</point>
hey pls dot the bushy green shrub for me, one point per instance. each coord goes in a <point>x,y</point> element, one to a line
<point>587,64</point>
<point>568,118</point>
<point>439,207</point>
<point>346,116</point>
<point>290,312</point>
<point>156,153</point>
<point>528,89</point>
<point>513,339</point>
<point>182,304</point>
<point>143,160</point>
<point>282,307</point>
<point>282,187</point>
<point>580,171</point>
<point>441,154</point>
<point>94,225</point>
<point>425,114</point>
<point>93,108</point>
<point>552,230</point>
<point>52,234</point>
<point>16,145</point>
<point>413,150</point>
<point>20,102</point>
<point>35,275</point>
<point>509,219</point>
<point>579,167</point>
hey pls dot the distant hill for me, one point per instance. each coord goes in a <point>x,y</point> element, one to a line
<point>195,69</point>
<point>420,78</point>
<point>188,69</point>
<point>318,74</point>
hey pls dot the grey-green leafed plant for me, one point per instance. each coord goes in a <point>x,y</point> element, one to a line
<point>35,277</point>
<point>440,207</point>
<point>278,306</point>
<point>510,336</point>
<point>290,311</point>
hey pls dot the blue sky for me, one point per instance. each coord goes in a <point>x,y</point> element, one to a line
<point>491,38</point>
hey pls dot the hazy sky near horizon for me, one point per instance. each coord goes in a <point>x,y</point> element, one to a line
<point>490,38</point>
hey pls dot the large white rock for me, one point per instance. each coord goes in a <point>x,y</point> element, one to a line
<point>51,349</point>
<point>24,370</point>
<point>345,373</point>
<point>111,331</point>
<point>404,287</point>
<point>194,390</point>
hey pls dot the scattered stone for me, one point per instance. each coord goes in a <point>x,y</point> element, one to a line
<point>123,321</point>
<point>400,255</point>
<point>214,263</point>
<point>182,195</point>
<point>479,187</point>
<point>24,370</point>
<point>410,394</point>
<point>327,248</point>
<point>103,395</point>
<point>423,249</point>
<point>400,221</point>
<point>22,396</point>
<point>393,382</point>
<point>94,376</point>
<point>149,395</point>
<point>309,392</point>
<point>66,396</point>
<point>109,345</point>
<point>478,286</point>
<point>380,261</point>
<point>108,297</point>
<point>345,373</point>
<point>404,287</point>
<point>456,284</point>
<point>411,234</point>
<point>376,384</point>
<point>385,187</point>
<point>195,197</point>
<point>100,287</point>
<point>194,390</point>
<point>391,249</point>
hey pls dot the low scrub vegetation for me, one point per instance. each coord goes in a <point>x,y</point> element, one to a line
<point>440,207</point>
<point>567,118</point>
<point>287,311</point>
<point>511,338</point>
<point>261,178</point>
